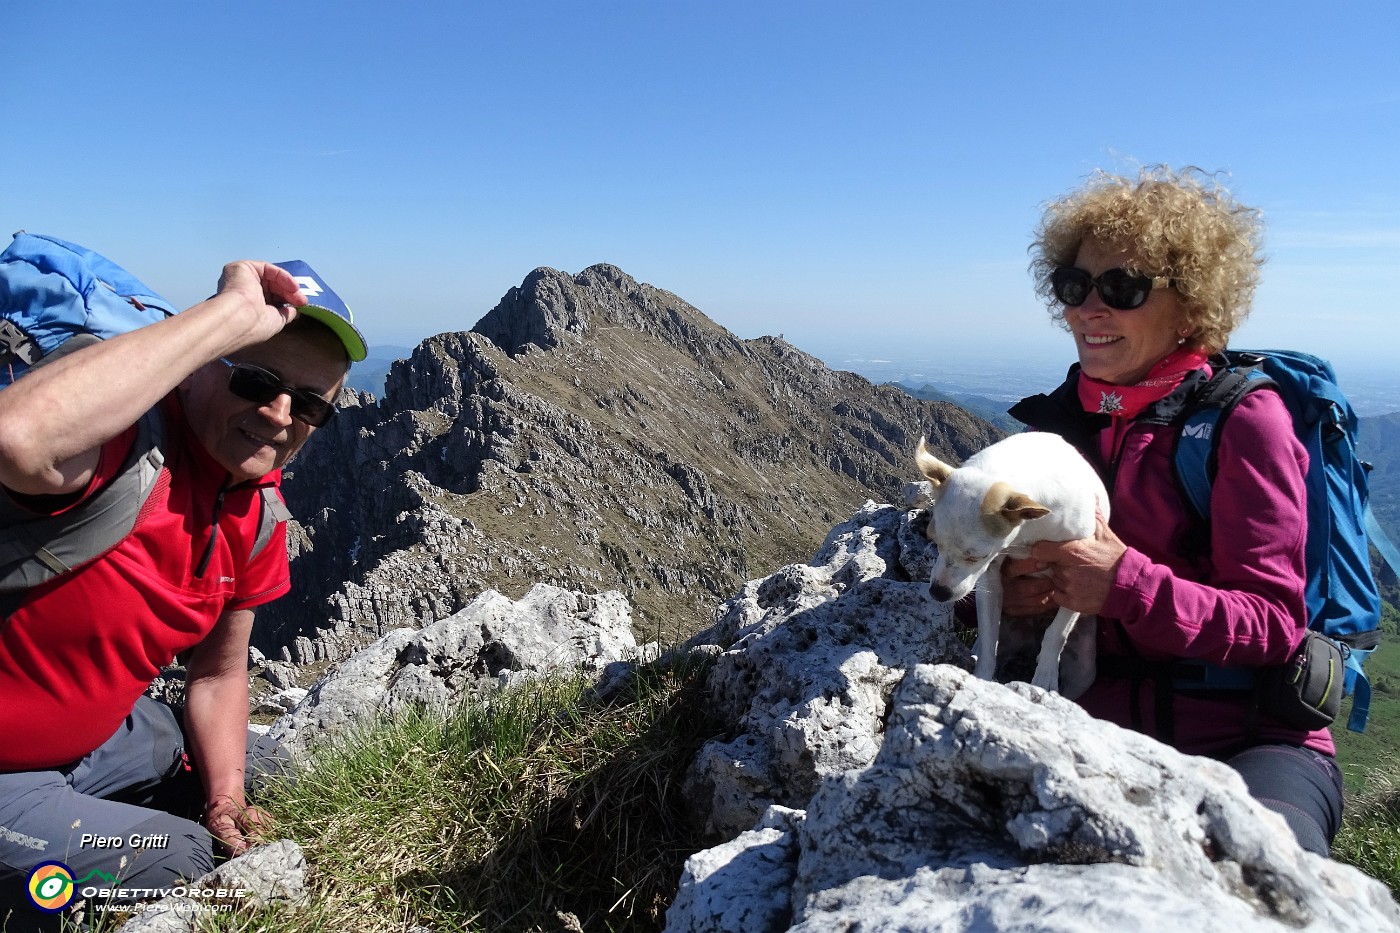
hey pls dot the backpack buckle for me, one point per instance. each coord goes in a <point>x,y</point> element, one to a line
<point>16,344</point>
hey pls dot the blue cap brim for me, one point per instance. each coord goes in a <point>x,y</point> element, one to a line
<point>324,305</point>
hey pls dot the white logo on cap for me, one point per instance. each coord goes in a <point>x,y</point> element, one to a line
<point>308,285</point>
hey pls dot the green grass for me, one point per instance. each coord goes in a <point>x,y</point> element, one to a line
<point>1370,761</point>
<point>1370,836</point>
<point>540,811</point>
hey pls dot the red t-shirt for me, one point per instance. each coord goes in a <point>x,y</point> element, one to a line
<point>80,650</point>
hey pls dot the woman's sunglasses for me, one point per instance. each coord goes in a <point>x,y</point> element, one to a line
<point>1119,289</point>
<point>255,384</point>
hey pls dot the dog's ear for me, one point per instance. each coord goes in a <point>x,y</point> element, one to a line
<point>934,470</point>
<point>1005,505</point>
<point>1021,507</point>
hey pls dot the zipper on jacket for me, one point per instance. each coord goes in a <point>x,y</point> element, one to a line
<point>213,529</point>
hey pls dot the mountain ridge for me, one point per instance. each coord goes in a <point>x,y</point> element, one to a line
<point>590,432</point>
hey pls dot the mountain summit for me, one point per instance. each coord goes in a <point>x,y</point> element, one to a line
<point>594,433</point>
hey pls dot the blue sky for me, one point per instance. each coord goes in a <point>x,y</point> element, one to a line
<point>859,177</point>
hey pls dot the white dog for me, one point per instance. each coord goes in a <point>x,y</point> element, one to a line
<point>1027,488</point>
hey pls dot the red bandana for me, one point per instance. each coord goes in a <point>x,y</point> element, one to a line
<point>1099,397</point>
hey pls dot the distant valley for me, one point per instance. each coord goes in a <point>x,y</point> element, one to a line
<point>988,389</point>
<point>369,374</point>
<point>1380,445</point>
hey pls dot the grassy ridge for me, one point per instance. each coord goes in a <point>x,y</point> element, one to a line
<point>1370,761</point>
<point>1370,836</point>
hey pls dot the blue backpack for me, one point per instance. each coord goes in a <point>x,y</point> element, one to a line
<point>1343,600</point>
<point>52,291</point>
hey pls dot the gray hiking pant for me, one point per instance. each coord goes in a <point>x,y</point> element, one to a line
<point>124,812</point>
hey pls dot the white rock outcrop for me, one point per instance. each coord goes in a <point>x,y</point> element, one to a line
<point>494,640</point>
<point>814,652</point>
<point>264,876</point>
<point>866,788</point>
<point>995,807</point>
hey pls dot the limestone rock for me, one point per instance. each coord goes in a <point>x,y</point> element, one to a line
<point>264,876</point>
<point>814,652</point>
<point>471,651</point>
<point>865,784</point>
<point>745,884</point>
<point>281,701</point>
<point>996,807</point>
<point>280,674</point>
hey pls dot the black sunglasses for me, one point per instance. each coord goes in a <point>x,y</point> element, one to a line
<point>1119,288</point>
<point>255,384</point>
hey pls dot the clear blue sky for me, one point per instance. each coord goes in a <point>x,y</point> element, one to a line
<point>860,177</point>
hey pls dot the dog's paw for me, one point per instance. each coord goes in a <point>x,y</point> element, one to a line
<point>1047,680</point>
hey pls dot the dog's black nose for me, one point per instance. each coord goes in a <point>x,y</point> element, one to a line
<point>940,592</point>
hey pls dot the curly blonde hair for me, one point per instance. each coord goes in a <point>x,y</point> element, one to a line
<point>1181,225</point>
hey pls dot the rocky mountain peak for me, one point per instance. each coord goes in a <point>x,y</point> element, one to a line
<point>594,433</point>
<point>551,306</point>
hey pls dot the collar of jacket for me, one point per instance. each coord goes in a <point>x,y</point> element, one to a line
<point>1061,413</point>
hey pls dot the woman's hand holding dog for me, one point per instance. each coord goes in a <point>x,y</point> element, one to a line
<point>1077,575</point>
<point>1025,589</point>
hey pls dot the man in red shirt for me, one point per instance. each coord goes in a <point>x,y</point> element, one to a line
<point>235,385</point>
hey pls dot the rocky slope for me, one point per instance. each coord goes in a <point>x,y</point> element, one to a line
<point>870,782</point>
<point>592,433</point>
<point>867,781</point>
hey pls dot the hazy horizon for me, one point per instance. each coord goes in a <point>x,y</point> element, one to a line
<point>1374,389</point>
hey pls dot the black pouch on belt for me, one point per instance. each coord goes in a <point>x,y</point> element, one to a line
<point>1306,692</point>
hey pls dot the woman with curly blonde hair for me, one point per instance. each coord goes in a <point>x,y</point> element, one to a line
<point>1150,276</point>
<point>1183,227</point>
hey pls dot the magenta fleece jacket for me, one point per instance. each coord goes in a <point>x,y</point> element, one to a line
<point>1241,605</point>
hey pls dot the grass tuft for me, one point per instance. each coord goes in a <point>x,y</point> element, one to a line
<point>542,808</point>
<point>1370,835</point>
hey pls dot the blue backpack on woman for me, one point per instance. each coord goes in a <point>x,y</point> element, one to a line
<point>1344,602</point>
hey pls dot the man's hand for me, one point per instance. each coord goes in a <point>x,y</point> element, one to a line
<point>236,825</point>
<point>269,292</point>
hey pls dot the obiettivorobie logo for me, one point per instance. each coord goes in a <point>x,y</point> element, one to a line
<point>51,885</point>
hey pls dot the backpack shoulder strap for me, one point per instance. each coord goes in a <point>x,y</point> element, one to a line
<point>36,549</point>
<point>272,511</point>
<point>1381,541</point>
<point>1196,446</point>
